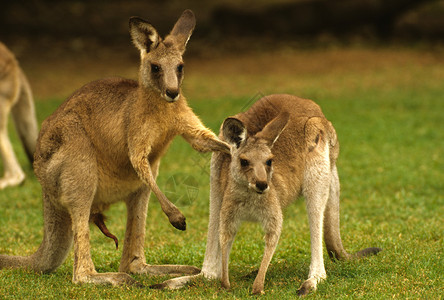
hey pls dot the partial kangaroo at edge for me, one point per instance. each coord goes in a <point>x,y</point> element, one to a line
<point>15,98</point>
<point>104,145</point>
<point>282,148</point>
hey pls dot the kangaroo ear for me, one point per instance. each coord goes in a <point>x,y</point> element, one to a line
<point>143,34</point>
<point>182,30</point>
<point>234,131</point>
<point>274,128</point>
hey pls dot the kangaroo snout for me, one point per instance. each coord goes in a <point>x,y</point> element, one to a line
<point>261,187</point>
<point>171,95</point>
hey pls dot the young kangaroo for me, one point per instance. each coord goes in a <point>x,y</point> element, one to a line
<point>104,145</point>
<point>15,97</point>
<point>282,148</point>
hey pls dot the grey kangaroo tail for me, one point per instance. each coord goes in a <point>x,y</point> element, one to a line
<point>99,220</point>
<point>343,255</point>
<point>367,252</point>
<point>13,262</point>
<point>56,244</point>
<point>23,113</point>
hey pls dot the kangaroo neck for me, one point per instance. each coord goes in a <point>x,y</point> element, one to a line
<point>152,99</point>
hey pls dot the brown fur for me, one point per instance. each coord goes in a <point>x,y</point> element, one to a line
<point>16,98</point>
<point>282,148</point>
<point>291,150</point>
<point>104,145</point>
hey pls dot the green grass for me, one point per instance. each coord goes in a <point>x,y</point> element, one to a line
<point>389,119</point>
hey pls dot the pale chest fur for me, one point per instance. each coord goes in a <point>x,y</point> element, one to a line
<point>248,205</point>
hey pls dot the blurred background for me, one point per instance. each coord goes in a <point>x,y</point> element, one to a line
<point>64,44</point>
<point>81,22</point>
<point>376,67</point>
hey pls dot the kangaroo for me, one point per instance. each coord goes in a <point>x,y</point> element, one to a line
<point>16,98</point>
<point>104,145</point>
<point>282,148</point>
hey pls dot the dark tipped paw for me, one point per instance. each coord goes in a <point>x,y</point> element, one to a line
<point>303,291</point>
<point>368,252</point>
<point>179,224</point>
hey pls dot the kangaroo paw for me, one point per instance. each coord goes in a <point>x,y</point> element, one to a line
<point>307,286</point>
<point>178,221</point>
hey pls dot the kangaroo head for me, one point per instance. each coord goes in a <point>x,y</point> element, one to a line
<point>161,66</point>
<point>251,156</point>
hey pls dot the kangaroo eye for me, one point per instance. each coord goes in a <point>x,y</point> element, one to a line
<point>155,68</point>
<point>244,162</point>
<point>269,162</point>
<point>180,68</point>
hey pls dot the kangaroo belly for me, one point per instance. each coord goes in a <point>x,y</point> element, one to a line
<point>111,190</point>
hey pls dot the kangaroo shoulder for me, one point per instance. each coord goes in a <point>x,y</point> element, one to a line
<point>113,86</point>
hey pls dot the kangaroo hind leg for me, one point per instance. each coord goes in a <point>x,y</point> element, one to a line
<point>133,257</point>
<point>316,185</point>
<point>23,113</point>
<point>76,175</point>
<point>13,174</point>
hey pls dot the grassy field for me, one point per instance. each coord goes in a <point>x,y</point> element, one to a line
<point>388,109</point>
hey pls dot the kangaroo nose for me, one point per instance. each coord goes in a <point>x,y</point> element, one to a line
<point>261,186</point>
<point>172,94</point>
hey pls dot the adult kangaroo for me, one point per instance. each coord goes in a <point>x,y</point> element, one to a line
<point>15,98</point>
<point>104,145</point>
<point>282,148</point>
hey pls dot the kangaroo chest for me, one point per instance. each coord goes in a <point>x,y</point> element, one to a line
<point>251,206</point>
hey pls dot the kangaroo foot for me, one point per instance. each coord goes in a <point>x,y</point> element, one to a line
<point>225,284</point>
<point>175,283</point>
<point>307,286</point>
<point>155,270</point>
<point>311,284</point>
<point>11,180</point>
<point>258,289</point>
<point>108,278</point>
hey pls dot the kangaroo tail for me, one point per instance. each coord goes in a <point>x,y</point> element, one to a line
<point>57,241</point>
<point>14,261</point>
<point>367,252</point>
<point>99,220</point>
<point>23,113</point>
